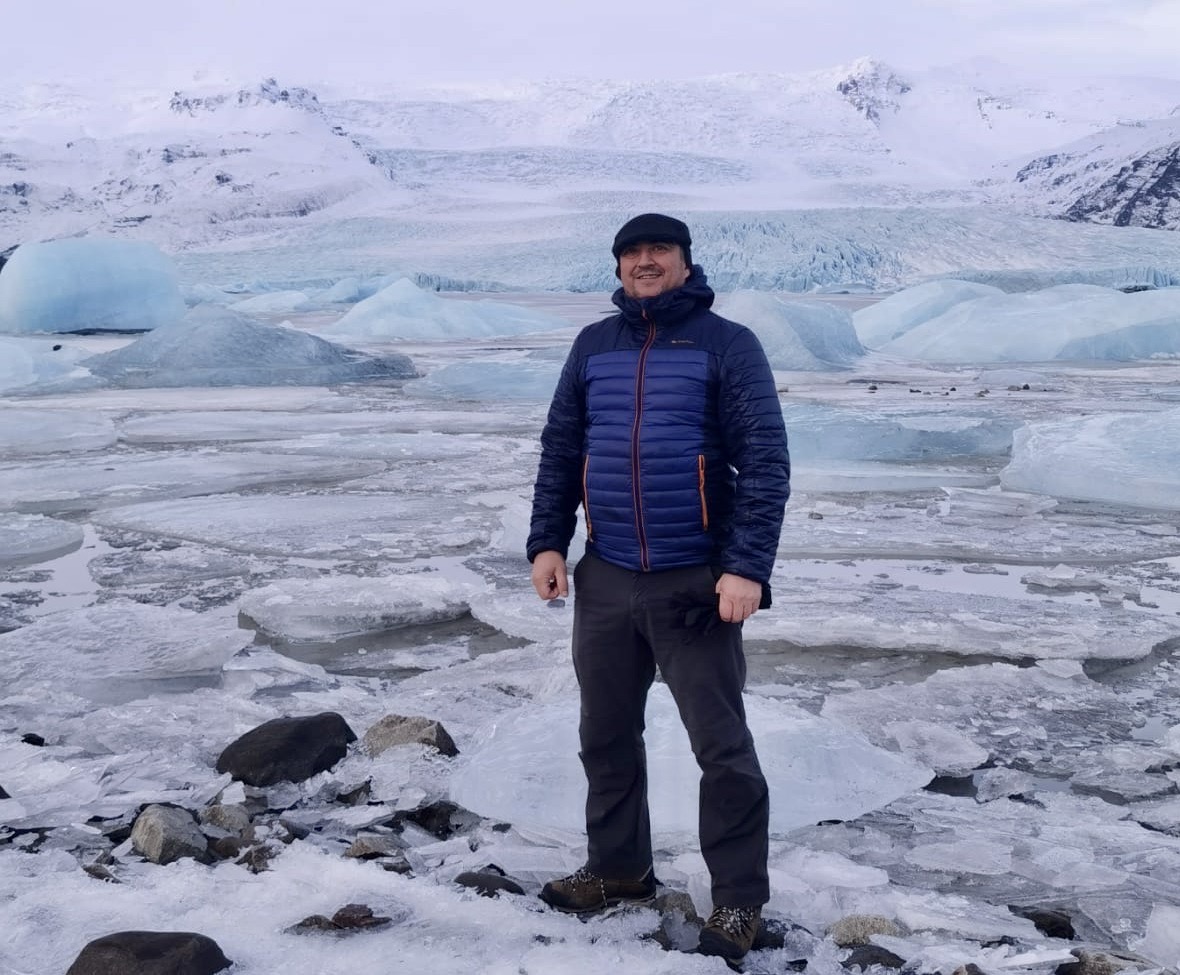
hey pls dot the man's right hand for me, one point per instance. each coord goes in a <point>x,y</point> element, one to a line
<point>549,577</point>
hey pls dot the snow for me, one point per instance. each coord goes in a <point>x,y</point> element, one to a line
<point>70,285</point>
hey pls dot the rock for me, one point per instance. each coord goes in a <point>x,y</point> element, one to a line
<point>163,834</point>
<point>287,749</point>
<point>1102,963</point>
<point>441,819</point>
<point>489,881</point>
<point>859,929</point>
<point>4,794</point>
<point>100,872</point>
<point>351,917</point>
<point>1050,922</point>
<point>233,819</point>
<point>395,729</point>
<point>864,956</point>
<point>150,953</point>
<point>372,846</point>
<point>969,969</point>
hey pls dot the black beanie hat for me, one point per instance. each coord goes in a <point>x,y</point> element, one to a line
<point>653,227</point>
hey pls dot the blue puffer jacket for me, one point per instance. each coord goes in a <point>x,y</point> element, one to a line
<point>666,427</point>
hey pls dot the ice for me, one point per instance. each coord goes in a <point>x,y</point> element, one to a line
<point>272,303</point>
<point>1074,321</point>
<point>404,311</point>
<point>212,346</point>
<point>1122,458</point>
<point>898,313</point>
<point>796,334</point>
<point>527,770</point>
<point>75,284</point>
<point>84,483</point>
<point>368,526</point>
<point>28,539</point>
<point>344,606</point>
<point>532,380</point>
<point>25,361</point>
<point>26,433</point>
<point>1162,940</point>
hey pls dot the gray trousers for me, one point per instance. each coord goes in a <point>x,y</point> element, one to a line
<point>626,624</point>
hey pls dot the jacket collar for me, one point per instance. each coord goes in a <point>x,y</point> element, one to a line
<point>671,306</point>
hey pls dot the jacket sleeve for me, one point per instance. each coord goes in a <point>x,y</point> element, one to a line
<point>756,440</point>
<point>558,490</point>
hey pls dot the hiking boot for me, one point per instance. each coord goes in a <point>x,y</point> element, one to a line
<point>730,932</point>
<point>583,892</point>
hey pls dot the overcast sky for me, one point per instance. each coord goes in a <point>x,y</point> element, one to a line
<point>302,42</point>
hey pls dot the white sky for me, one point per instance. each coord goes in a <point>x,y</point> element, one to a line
<point>302,42</point>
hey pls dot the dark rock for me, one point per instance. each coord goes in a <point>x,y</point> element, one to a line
<point>969,969</point>
<point>441,819</point>
<point>3,793</point>
<point>32,739</point>
<point>287,749</point>
<point>1102,963</point>
<point>1050,922</point>
<point>864,956</point>
<point>150,953</point>
<point>396,729</point>
<point>489,882</point>
<point>100,872</point>
<point>351,917</point>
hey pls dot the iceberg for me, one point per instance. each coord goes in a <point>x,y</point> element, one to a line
<point>1066,322</point>
<point>404,311</point>
<point>798,335</point>
<point>900,312</point>
<point>29,361</point>
<point>1119,458</point>
<point>82,284</point>
<point>532,380</point>
<point>28,539</point>
<point>212,346</point>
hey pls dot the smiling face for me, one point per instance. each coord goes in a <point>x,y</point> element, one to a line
<point>650,268</point>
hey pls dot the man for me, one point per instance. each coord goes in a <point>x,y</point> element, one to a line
<point>666,427</point>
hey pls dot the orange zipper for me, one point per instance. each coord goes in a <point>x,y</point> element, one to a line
<point>701,489</point>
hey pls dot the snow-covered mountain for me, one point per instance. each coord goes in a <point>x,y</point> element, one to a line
<point>443,180</point>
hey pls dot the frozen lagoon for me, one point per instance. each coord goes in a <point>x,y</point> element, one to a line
<point>231,548</point>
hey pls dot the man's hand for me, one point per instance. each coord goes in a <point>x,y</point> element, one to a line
<point>739,597</point>
<point>549,577</point>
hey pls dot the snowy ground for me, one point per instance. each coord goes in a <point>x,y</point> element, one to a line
<point>179,565</point>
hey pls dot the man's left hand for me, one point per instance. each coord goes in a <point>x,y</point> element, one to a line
<point>739,597</point>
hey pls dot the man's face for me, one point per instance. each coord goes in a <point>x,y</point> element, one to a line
<point>650,268</point>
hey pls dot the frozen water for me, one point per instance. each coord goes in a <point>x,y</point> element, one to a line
<point>343,606</point>
<point>25,432</point>
<point>896,314</point>
<point>75,284</point>
<point>532,380</point>
<point>527,770</point>
<point>799,335</point>
<point>1075,321</point>
<point>25,361</point>
<point>272,303</point>
<point>404,311</point>
<point>35,538</point>
<point>212,346</point>
<point>1125,458</point>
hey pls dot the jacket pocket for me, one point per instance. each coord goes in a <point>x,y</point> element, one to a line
<point>586,496</point>
<point>701,490</point>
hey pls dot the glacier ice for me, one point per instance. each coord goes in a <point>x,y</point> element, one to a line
<point>81,283</point>
<point>404,311</point>
<point>27,361</point>
<point>898,313</point>
<point>1120,458</point>
<point>531,379</point>
<point>213,346</point>
<point>527,772</point>
<point>800,335</point>
<point>1068,321</point>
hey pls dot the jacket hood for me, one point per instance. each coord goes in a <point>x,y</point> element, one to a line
<point>671,306</point>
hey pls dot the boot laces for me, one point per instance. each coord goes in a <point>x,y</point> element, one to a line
<point>732,920</point>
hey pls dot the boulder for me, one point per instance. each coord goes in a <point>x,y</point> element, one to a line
<point>150,953</point>
<point>163,834</point>
<point>396,729</point>
<point>289,749</point>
